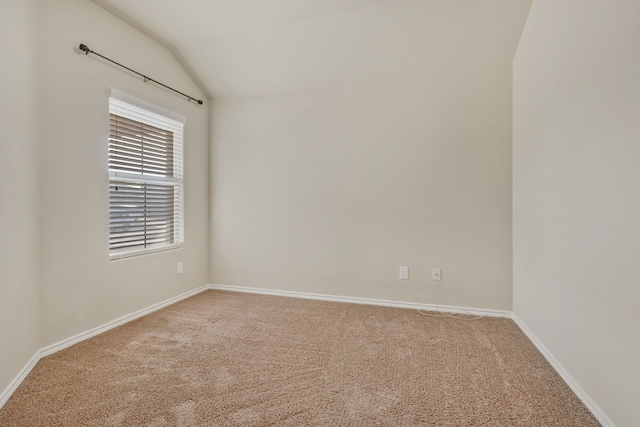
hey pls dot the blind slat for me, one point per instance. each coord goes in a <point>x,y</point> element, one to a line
<point>141,235</point>
<point>116,145</point>
<point>137,139</point>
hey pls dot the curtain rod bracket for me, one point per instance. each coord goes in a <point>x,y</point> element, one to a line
<point>83,47</point>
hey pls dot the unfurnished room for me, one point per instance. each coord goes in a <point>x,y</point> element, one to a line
<point>320,213</point>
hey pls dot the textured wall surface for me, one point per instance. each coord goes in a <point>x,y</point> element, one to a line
<point>19,294</point>
<point>330,190</point>
<point>576,193</point>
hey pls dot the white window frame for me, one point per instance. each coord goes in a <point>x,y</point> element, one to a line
<point>132,108</point>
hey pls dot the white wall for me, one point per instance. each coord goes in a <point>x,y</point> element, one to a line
<point>81,289</point>
<point>330,190</point>
<point>577,193</point>
<point>19,300</point>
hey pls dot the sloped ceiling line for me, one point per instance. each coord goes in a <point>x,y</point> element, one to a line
<point>160,40</point>
<point>239,48</point>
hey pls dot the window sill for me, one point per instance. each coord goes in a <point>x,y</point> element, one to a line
<point>139,252</point>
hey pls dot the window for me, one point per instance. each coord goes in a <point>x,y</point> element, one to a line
<point>145,178</point>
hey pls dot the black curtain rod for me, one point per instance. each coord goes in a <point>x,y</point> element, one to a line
<point>87,51</point>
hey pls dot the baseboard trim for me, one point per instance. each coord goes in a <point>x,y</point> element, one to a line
<point>61,345</point>
<point>367,301</point>
<point>573,384</point>
<point>68,342</point>
<point>13,385</point>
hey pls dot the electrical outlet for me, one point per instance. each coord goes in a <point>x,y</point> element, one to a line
<point>436,274</point>
<point>180,267</point>
<point>404,272</point>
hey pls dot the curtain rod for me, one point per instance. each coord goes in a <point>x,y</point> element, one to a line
<point>83,47</point>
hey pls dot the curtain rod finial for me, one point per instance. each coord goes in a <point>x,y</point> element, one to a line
<point>83,47</point>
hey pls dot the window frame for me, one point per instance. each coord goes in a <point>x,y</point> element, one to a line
<point>132,108</point>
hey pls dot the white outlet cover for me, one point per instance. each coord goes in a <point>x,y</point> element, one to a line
<point>404,272</point>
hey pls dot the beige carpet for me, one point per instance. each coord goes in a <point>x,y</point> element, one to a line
<point>233,359</point>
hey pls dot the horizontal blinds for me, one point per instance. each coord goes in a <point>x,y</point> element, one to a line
<point>141,215</point>
<point>140,148</point>
<point>145,185</point>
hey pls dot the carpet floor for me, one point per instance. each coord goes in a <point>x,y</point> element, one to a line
<point>235,359</point>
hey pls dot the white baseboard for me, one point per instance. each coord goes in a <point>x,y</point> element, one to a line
<point>13,385</point>
<point>368,301</point>
<point>60,345</point>
<point>573,384</point>
<point>68,342</point>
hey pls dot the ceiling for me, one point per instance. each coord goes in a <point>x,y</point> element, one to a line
<point>253,47</point>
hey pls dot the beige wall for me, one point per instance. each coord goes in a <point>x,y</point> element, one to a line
<point>19,300</point>
<point>81,288</point>
<point>57,279</point>
<point>577,193</point>
<point>331,190</point>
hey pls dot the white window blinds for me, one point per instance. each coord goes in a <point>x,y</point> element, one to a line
<point>145,181</point>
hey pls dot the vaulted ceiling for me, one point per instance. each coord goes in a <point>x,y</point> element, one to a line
<point>252,47</point>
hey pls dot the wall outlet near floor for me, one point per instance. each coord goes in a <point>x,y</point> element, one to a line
<point>180,267</point>
<point>404,272</point>
<point>436,274</point>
